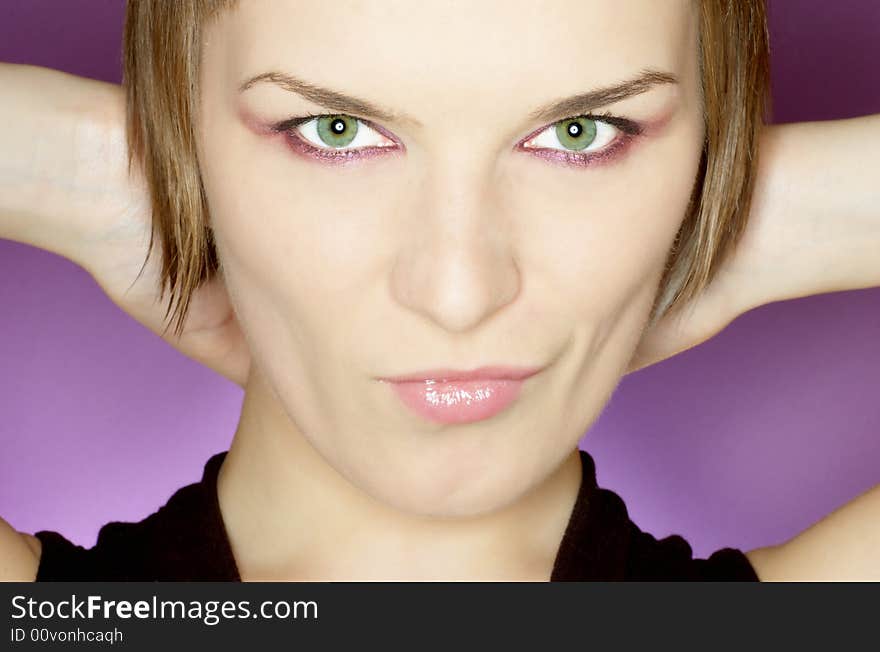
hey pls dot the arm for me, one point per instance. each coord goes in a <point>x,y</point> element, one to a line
<point>816,223</point>
<point>844,546</point>
<point>829,240</point>
<point>65,187</point>
<point>19,555</point>
<point>48,176</point>
<point>814,228</point>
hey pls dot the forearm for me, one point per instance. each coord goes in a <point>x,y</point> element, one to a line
<point>65,187</point>
<point>58,147</point>
<point>816,214</point>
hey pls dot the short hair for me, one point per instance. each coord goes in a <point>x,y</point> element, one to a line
<point>161,60</point>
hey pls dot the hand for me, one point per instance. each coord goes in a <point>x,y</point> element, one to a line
<point>737,286</point>
<point>814,227</point>
<point>114,235</point>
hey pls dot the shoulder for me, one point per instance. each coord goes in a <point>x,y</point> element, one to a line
<point>19,554</point>
<point>843,546</point>
<point>184,538</point>
<point>123,551</point>
<point>672,558</point>
<point>625,551</point>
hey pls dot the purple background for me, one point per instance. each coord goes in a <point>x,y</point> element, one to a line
<point>743,441</point>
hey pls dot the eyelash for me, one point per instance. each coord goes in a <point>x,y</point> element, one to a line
<point>628,130</point>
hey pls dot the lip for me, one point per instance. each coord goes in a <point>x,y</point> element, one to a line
<point>493,372</point>
<point>451,396</point>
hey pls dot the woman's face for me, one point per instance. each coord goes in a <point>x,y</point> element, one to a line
<point>460,229</point>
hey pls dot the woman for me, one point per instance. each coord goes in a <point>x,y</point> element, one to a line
<point>369,250</point>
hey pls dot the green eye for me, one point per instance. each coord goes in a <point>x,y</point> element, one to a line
<point>337,130</point>
<point>576,133</point>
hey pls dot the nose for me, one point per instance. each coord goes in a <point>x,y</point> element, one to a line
<point>457,265</point>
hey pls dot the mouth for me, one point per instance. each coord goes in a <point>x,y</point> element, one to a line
<point>451,396</point>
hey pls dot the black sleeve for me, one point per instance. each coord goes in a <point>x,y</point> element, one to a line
<point>61,560</point>
<point>184,540</point>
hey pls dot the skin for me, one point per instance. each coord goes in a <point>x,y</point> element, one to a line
<point>808,232</point>
<point>459,251</point>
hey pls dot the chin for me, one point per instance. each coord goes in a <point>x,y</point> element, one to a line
<point>437,491</point>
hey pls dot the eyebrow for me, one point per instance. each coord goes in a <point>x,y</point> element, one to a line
<point>567,107</point>
<point>597,98</point>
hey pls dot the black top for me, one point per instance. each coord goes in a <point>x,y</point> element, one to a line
<point>185,540</point>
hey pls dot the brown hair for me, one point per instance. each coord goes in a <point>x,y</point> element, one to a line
<point>161,56</point>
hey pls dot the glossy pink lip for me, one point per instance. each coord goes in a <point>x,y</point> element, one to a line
<point>482,373</point>
<point>452,396</point>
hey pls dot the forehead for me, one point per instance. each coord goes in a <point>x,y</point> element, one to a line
<point>443,51</point>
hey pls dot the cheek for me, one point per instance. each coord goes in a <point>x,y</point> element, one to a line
<point>304,264</point>
<point>604,233</point>
<point>292,233</point>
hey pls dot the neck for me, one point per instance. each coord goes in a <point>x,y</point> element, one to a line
<point>290,515</point>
